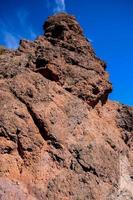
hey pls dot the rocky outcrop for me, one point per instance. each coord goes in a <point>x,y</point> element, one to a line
<point>60,138</point>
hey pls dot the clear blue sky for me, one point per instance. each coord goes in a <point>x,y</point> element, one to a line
<point>107,23</point>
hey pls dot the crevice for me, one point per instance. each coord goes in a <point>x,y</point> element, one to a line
<point>111,144</point>
<point>51,139</point>
<point>88,168</point>
<point>127,137</point>
<point>104,97</point>
<point>57,158</point>
<point>6,150</point>
<point>41,62</point>
<point>42,68</point>
<point>47,73</point>
<point>19,145</point>
<point>6,134</point>
<point>95,90</point>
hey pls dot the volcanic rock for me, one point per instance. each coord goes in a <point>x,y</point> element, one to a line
<point>60,136</point>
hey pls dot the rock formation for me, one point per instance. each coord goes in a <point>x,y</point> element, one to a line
<point>60,136</point>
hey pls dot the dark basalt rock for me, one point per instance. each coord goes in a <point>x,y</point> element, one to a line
<point>125,121</point>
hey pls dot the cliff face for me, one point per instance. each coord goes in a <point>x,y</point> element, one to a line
<point>60,138</point>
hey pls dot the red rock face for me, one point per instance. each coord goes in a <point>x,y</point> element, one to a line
<point>60,138</point>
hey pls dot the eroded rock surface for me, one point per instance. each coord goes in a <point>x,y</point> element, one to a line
<point>60,138</point>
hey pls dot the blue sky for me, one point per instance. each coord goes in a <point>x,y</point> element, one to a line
<point>107,23</point>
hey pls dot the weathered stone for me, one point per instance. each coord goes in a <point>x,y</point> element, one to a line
<point>60,138</point>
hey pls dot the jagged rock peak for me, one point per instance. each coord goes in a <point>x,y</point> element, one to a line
<point>64,56</point>
<point>56,140</point>
<point>60,24</point>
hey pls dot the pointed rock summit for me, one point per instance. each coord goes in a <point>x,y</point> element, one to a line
<point>60,136</point>
<point>62,26</point>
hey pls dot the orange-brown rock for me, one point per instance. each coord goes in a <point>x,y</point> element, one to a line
<point>60,138</point>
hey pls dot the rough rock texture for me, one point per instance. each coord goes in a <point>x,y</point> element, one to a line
<point>60,138</point>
